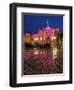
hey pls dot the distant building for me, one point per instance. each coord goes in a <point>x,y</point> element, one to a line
<point>44,35</point>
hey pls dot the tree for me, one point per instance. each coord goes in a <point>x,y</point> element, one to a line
<point>59,36</point>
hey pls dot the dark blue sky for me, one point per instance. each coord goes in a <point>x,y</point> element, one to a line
<point>33,22</point>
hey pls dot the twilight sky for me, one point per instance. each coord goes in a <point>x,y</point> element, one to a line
<point>33,22</point>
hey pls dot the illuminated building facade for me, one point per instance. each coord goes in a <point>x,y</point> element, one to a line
<point>44,35</point>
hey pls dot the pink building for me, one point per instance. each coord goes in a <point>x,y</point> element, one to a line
<point>45,35</point>
<point>50,32</point>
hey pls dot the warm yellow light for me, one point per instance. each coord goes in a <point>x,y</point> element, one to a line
<point>40,38</point>
<point>54,53</point>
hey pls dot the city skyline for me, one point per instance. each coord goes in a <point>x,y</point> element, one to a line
<point>32,23</point>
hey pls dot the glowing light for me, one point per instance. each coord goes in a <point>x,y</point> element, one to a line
<point>35,38</point>
<point>36,52</point>
<point>54,53</point>
<point>40,38</point>
<point>53,38</point>
<point>47,28</point>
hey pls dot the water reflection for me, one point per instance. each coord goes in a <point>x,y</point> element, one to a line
<point>42,61</point>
